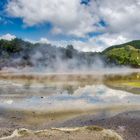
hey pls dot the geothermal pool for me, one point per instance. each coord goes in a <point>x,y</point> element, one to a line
<point>68,92</point>
<point>42,101</point>
<point>39,101</point>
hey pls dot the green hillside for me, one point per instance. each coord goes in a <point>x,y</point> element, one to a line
<point>124,54</point>
<point>134,43</point>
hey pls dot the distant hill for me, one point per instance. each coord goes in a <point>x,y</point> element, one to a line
<point>124,54</point>
<point>134,43</point>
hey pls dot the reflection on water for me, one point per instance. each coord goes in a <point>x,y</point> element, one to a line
<point>130,83</point>
<point>68,92</point>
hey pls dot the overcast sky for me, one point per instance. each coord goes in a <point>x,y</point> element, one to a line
<point>90,25</point>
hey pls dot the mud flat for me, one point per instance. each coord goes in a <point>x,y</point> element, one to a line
<point>126,124</point>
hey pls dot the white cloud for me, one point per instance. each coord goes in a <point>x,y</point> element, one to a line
<point>7,37</point>
<point>87,46</point>
<point>107,40</point>
<point>44,40</point>
<point>122,17</point>
<point>84,46</point>
<point>70,17</point>
<point>94,44</point>
<point>67,16</point>
<point>99,43</point>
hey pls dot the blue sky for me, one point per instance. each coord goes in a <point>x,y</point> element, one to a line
<point>15,25</point>
<point>90,25</point>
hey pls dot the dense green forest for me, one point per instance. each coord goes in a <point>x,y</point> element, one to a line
<point>124,54</point>
<point>19,53</point>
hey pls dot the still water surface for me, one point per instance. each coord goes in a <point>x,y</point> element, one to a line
<point>65,92</point>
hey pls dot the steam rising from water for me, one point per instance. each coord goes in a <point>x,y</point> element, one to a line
<point>50,59</point>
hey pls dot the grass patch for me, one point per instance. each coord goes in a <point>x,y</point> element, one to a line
<point>132,84</point>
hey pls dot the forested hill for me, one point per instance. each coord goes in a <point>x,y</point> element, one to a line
<point>20,53</point>
<point>124,54</point>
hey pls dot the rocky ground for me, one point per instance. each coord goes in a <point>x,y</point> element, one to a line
<point>126,125</point>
